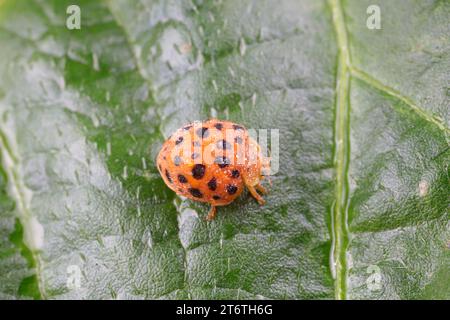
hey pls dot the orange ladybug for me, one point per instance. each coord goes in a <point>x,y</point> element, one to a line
<point>211,162</point>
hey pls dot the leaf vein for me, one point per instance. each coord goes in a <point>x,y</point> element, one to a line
<point>10,162</point>
<point>146,80</point>
<point>373,82</point>
<point>339,210</point>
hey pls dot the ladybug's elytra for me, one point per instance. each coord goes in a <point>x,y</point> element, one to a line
<point>211,162</point>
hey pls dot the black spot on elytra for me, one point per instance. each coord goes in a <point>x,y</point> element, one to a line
<point>202,132</point>
<point>198,171</point>
<point>168,176</point>
<point>218,126</point>
<point>236,127</point>
<point>182,178</point>
<point>238,140</point>
<point>231,189</point>
<point>223,144</point>
<point>235,173</point>
<point>216,197</point>
<point>196,144</point>
<point>179,140</point>
<point>222,161</point>
<point>187,127</point>
<point>195,155</point>
<point>212,184</point>
<point>177,161</point>
<point>195,192</point>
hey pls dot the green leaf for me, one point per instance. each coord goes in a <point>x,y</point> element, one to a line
<point>358,209</point>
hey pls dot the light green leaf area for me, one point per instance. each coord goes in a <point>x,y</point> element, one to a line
<point>359,207</point>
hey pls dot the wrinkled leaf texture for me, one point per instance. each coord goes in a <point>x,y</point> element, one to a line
<point>358,209</point>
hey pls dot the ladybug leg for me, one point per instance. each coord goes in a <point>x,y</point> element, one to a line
<point>212,213</point>
<point>266,177</point>
<point>256,195</point>
<point>260,188</point>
